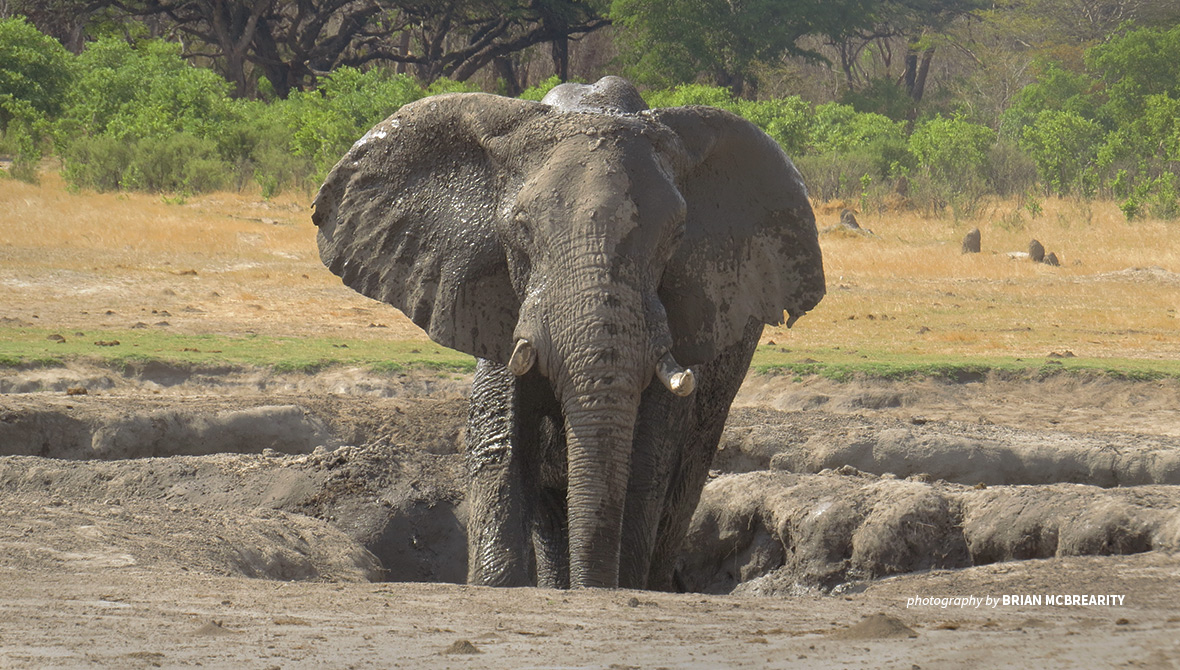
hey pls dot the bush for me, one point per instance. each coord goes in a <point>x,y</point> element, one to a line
<point>140,117</point>
<point>1008,170</point>
<point>322,124</point>
<point>1134,66</point>
<point>1064,147</point>
<point>840,128</point>
<point>34,72</point>
<point>1056,88</point>
<point>835,176</point>
<point>787,120</point>
<point>535,93</point>
<point>141,91</point>
<point>952,156</point>
<point>96,162</point>
<point>691,94</point>
<point>176,163</point>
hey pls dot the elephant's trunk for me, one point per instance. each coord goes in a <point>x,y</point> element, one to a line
<point>604,360</point>
<point>599,431</point>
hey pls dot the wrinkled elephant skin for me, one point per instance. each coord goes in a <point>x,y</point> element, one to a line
<point>581,248</point>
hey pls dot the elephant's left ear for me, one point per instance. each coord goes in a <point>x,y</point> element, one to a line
<point>750,247</point>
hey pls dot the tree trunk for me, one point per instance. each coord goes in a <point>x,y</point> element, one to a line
<point>507,73</point>
<point>561,57</point>
<point>920,80</point>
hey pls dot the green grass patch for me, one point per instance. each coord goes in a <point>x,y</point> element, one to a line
<point>846,364</point>
<point>37,347</point>
<point>33,347</point>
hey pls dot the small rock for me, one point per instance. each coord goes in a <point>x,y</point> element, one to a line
<point>1051,259</point>
<point>56,338</point>
<point>212,629</point>
<point>1036,251</point>
<point>971,241</point>
<point>462,647</point>
<point>848,220</point>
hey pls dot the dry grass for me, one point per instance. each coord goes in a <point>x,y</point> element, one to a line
<point>235,264</point>
<point>909,289</point>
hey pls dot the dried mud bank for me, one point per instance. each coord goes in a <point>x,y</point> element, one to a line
<point>817,485</point>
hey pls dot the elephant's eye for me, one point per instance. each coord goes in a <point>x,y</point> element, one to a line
<point>520,227</point>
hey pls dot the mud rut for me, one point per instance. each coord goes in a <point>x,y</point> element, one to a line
<point>350,476</point>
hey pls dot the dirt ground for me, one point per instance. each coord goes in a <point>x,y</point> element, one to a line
<point>173,517</point>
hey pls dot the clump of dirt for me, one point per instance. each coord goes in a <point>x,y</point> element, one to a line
<point>376,513</point>
<point>875,627</point>
<point>767,532</point>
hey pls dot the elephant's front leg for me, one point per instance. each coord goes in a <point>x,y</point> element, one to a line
<point>665,423</point>
<point>499,546</point>
<point>718,384</point>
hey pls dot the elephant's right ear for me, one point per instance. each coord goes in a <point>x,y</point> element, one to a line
<point>408,217</point>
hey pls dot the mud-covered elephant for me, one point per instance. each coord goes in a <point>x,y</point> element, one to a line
<point>580,248</point>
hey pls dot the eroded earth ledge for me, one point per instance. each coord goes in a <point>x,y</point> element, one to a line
<point>353,476</point>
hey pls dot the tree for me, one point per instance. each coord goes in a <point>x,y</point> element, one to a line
<point>34,72</point>
<point>896,47</point>
<point>34,76</point>
<point>674,41</point>
<point>293,42</point>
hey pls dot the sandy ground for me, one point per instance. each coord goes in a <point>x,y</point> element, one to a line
<point>170,552</point>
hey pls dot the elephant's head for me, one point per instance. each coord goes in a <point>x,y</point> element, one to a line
<point>600,243</point>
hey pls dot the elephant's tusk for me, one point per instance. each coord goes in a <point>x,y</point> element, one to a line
<point>523,357</point>
<point>678,380</point>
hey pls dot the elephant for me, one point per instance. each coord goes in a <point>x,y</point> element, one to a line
<point>581,248</point>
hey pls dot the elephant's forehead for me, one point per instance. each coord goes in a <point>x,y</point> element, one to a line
<point>553,129</point>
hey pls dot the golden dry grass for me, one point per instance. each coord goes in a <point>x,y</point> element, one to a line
<point>908,289</point>
<point>232,263</point>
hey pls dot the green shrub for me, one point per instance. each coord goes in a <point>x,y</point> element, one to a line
<point>787,120</point>
<point>322,124</point>
<point>1008,170</point>
<point>952,157</point>
<point>1135,66</point>
<point>1064,147</point>
<point>840,128</point>
<point>34,72</point>
<point>145,90</point>
<point>1055,88</point>
<point>535,93</point>
<point>881,95</point>
<point>141,117</point>
<point>835,175</point>
<point>176,163</point>
<point>952,150</point>
<point>691,94</point>
<point>96,162</point>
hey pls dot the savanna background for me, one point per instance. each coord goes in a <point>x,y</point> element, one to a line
<point>1054,120</point>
